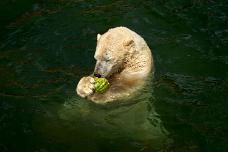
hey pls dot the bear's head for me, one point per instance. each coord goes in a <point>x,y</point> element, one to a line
<point>112,48</point>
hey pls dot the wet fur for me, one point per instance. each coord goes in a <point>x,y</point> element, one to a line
<point>124,58</point>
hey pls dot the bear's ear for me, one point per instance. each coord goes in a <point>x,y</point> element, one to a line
<point>98,36</point>
<point>128,43</point>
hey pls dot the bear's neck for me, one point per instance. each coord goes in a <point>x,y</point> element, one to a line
<point>138,61</point>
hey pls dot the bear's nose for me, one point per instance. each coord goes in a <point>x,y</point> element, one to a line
<point>97,75</point>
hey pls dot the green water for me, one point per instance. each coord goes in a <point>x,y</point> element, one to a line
<point>47,46</point>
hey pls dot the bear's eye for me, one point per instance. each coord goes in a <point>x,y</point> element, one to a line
<point>107,57</point>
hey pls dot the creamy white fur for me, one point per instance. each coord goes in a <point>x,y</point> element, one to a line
<point>124,58</point>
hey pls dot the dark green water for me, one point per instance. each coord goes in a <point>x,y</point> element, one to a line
<point>46,46</point>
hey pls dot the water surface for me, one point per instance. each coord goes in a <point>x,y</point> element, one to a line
<point>47,49</point>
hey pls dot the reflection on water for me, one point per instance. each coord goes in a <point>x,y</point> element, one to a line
<point>134,122</point>
<point>44,53</point>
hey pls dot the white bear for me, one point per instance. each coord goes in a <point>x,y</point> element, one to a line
<point>124,58</point>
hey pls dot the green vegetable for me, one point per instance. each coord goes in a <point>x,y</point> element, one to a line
<point>101,85</point>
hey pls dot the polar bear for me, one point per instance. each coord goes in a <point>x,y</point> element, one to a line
<point>124,58</point>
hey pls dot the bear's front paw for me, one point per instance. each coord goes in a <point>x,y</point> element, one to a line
<point>85,86</point>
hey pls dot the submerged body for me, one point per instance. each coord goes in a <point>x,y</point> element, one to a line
<point>124,58</point>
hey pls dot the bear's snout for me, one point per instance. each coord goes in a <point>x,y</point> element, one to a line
<point>103,69</point>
